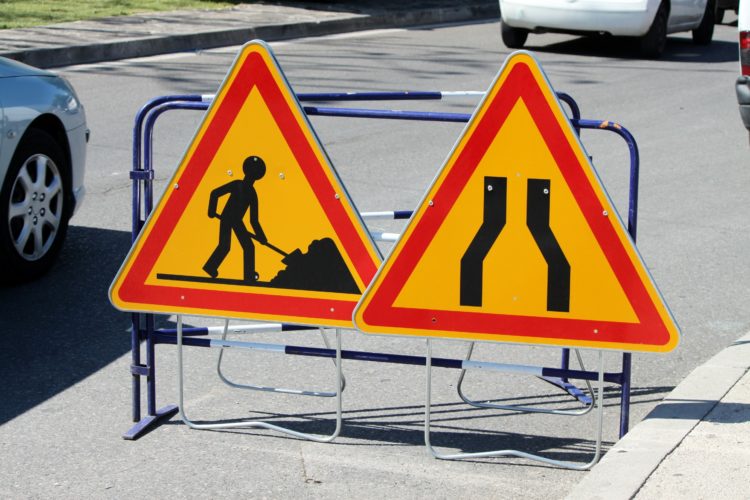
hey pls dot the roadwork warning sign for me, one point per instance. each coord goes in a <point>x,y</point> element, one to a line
<point>255,222</point>
<point>517,241</point>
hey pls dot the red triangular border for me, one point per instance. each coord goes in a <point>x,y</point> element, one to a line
<point>379,311</point>
<point>253,73</point>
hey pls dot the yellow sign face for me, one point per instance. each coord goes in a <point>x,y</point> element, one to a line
<point>255,223</point>
<point>517,241</point>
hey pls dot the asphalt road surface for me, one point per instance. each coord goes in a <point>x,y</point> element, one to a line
<point>65,358</point>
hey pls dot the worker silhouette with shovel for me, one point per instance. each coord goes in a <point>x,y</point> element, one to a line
<point>242,198</point>
<point>322,268</point>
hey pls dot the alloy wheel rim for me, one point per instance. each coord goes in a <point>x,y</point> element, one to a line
<point>36,203</point>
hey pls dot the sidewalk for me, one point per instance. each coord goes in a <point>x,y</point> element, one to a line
<point>695,444</point>
<point>163,32</point>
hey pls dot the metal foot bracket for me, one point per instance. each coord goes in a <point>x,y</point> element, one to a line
<point>510,452</point>
<point>259,424</point>
<point>148,422</point>
<point>301,392</point>
<point>587,407</point>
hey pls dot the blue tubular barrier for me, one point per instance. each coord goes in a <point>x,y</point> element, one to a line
<point>169,336</point>
<point>142,174</point>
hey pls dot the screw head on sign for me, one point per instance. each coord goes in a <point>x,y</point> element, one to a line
<point>431,203</point>
<point>489,188</point>
<point>605,213</point>
<point>229,173</point>
<point>546,191</point>
<point>336,196</point>
<point>282,176</point>
<point>177,186</point>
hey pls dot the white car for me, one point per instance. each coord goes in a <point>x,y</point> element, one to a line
<point>43,139</point>
<point>650,21</point>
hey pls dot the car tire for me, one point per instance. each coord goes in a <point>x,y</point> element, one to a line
<point>652,44</point>
<point>513,38</point>
<point>719,15</point>
<point>34,208</point>
<point>703,34</point>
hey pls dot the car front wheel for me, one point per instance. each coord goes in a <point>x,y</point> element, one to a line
<point>655,40</point>
<point>513,38</point>
<point>703,34</point>
<point>33,208</point>
<point>719,15</point>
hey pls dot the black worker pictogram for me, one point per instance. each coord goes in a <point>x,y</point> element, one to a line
<point>321,268</point>
<point>242,199</point>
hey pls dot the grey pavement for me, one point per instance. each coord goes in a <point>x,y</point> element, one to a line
<point>694,444</point>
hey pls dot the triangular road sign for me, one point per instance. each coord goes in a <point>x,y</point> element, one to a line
<point>255,222</point>
<point>517,241</point>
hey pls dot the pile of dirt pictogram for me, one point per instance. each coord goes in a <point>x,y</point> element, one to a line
<point>320,269</point>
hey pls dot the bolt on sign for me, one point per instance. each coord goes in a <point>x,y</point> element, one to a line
<point>255,223</point>
<point>517,241</point>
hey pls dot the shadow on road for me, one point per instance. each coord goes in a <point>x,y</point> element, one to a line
<point>708,410</point>
<point>61,328</point>
<point>679,49</point>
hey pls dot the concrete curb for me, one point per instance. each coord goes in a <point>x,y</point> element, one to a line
<point>103,50</point>
<point>628,465</point>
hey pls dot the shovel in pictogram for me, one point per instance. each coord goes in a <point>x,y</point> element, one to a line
<point>321,268</point>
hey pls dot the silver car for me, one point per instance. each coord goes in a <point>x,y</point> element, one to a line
<point>43,139</point>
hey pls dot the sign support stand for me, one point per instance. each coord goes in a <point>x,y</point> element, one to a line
<point>569,388</point>
<point>249,423</point>
<point>597,400</point>
<point>298,392</point>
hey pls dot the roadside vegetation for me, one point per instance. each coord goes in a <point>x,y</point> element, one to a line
<point>26,13</point>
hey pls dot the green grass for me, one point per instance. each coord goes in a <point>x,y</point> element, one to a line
<point>26,13</point>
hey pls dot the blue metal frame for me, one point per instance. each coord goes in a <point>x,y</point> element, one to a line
<point>143,174</point>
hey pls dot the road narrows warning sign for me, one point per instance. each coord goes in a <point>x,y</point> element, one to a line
<point>255,222</point>
<point>517,241</point>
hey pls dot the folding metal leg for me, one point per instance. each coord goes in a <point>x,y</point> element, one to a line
<point>248,423</point>
<point>533,409</point>
<point>598,396</point>
<point>627,359</point>
<point>154,417</point>
<point>300,392</point>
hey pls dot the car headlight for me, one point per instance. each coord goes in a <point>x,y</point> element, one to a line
<point>72,104</point>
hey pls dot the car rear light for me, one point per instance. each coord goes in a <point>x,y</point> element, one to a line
<point>745,52</point>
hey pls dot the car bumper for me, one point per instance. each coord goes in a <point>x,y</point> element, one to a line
<point>78,195</point>
<point>620,18</point>
<point>77,138</point>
